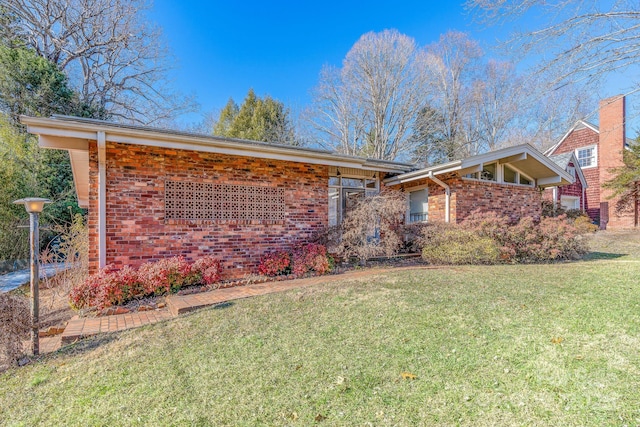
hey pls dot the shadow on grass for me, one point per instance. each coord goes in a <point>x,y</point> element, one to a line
<point>223,305</point>
<point>87,344</point>
<point>593,256</point>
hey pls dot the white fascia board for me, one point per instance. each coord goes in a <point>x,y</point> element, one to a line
<point>549,180</point>
<point>63,143</point>
<point>88,131</point>
<point>63,133</point>
<point>423,173</point>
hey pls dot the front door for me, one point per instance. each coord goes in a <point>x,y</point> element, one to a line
<point>350,198</point>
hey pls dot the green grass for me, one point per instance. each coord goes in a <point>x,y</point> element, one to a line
<point>503,345</point>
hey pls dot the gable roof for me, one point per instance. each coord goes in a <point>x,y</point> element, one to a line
<point>524,157</point>
<point>563,161</point>
<point>73,134</point>
<point>580,124</point>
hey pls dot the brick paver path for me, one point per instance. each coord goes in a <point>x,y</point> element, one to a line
<point>78,328</point>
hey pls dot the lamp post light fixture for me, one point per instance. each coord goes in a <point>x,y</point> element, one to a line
<point>34,206</point>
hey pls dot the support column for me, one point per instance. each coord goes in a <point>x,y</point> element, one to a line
<point>102,202</point>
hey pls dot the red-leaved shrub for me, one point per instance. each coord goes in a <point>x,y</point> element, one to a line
<point>310,258</point>
<point>208,268</point>
<point>109,287</point>
<point>275,264</point>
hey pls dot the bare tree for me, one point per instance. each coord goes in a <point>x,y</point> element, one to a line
<point>579,40</point>
<point>496,98</point>
<point>114,58</point>
<point>368,106</point>
<point>452,65</point>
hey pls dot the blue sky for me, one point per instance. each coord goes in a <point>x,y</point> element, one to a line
<point>223,48</point>
<point>278,48</point>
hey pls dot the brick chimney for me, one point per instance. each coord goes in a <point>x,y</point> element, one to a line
<point>610,149</point>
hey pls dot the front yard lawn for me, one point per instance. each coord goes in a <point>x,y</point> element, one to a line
<point>550,344</point>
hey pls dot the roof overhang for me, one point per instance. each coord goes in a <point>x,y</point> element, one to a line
<point>524,157</point>
<point>73,134</point>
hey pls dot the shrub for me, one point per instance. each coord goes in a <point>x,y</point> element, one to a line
<point>456,246</point>
<point>584,225</point>
<point>108,287</point>
<point>374,226</point>
<point>14,318</point>
<point>489,238</point>
<point>166,276</point>
<point>310,258</point>
<point>275,264</point>
<point>208,270</point>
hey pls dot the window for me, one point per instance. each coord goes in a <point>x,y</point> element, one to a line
<point>345,192</point>
<point>510,175</point>
<point>587,156</point>
<point>572,171</point>
<point>418,205</point>
<point>570,202</point>
<point>525,181</point>
<point>489,172</point>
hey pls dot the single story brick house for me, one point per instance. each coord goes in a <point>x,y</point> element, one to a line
<point>154,193</point>
<point>598,149</point>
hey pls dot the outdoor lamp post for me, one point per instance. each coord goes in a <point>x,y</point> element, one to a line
<point>34,206</point>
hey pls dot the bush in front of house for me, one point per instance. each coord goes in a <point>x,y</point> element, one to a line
<point>309,258</point>
<point>14,329</point>
<point>487,238</point>
<point>107,288</point>
<point>275,264</point>
<point>374,226</point>
<point>456,245</point>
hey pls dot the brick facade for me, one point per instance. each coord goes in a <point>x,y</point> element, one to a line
<point>610,140</point>
<point>469,195</point>
<point>136,228</point>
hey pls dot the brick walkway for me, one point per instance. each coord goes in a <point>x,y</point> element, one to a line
<point>78,328</point>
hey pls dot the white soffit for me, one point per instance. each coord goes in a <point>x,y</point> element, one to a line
<point>524,157</point>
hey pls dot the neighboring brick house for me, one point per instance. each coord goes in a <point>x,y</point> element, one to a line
<point>153,194</point>
<point>599,149</point>
<point>570,196</point>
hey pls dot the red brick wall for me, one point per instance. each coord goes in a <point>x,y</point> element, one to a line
<point>582,138</point>
<point>468,195</point>
<point>514,201</point>
<point>138,232</point>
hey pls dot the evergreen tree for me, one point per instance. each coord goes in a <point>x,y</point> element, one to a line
<point>626,182</point>
<point>257,119</point>
<point>31,85</point>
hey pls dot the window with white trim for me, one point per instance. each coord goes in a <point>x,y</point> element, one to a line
<point>569,202</point>
<point>587,156</point>
<point>418,205</point>
<point>572,171</point>
<point>509,175</point>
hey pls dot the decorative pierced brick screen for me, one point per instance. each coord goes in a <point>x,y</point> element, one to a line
<point>204,201</point>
